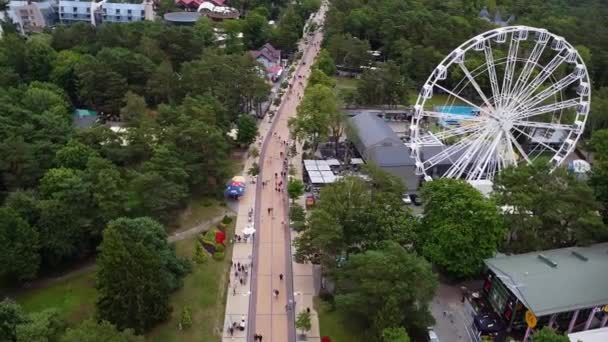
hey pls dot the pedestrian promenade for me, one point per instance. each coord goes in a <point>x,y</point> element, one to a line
<point>265,302</point>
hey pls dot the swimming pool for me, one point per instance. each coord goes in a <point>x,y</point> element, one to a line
<point>458,110</point>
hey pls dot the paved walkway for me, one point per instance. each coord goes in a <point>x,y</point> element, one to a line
<point>270,254</point>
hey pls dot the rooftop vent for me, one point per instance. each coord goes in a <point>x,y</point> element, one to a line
<point>547,260</point>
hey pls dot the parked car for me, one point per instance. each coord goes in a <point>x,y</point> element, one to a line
<point>406,199</point>
<point>432,335</point>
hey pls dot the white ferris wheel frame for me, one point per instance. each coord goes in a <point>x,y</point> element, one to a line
<point>488,145</point>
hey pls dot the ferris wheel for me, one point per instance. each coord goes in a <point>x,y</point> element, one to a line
<point>505,97</point>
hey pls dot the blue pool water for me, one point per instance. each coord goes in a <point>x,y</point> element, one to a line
<point>458,110</point>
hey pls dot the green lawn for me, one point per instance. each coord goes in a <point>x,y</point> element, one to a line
<point>205,292</point>
<point>333,326</point>
<point>436,100</point>
<point>74,297</point>
<point>345,83</point>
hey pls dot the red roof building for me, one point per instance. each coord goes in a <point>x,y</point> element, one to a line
<point>194,4</point>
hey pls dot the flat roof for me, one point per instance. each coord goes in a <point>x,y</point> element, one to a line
<point>557,280</point>
<point>182,17</point>
<point>593,335</point>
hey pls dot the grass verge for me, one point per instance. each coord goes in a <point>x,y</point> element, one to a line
<point>204,291</point>
<point>74,297</point>
<point>332,325</point>
<point>345,84</point>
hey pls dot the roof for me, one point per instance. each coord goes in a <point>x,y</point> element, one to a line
<point>267,51</point>
<point>372,130</point>
<point>593,335</point>
<point>82,118</point>
<point>377,142</point>
<point>394,155</point>
<point>182,17</point>
<point>557,280</point>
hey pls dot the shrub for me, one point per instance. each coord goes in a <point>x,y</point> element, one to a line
<point>218,256</point>
<point>254,152</point>
<point>277,100</point>
<point>200,256</point>
<point>298,226</point>
<point>297,213</point>
<point>219,247</point>
<point>227,219</point>
<point>186,320</point>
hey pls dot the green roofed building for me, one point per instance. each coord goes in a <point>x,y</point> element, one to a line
<point>83,118</point>
<point>566,288</point>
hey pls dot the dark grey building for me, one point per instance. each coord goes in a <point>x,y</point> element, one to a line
<point>379,144</point>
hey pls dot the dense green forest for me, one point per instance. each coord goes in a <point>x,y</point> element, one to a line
<point>175,89</point>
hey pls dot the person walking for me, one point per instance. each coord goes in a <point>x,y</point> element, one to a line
<point>281,277</point>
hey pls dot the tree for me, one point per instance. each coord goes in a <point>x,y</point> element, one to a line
<point>39,58</point>
<point>296,213</point>
<point>247,129</point>
<point>295,189</point>
<point>135,109</point>
<point>598,179</point>
<point>547,209</point>
<point>256,30</point>
<point>460,227</point>
<point>383,288</point>
<point>547,334</point>
<point>63,73</point>
<point>303,322</point>
<point>162,84</point>
<point>313,115</point>
<point>325,63</point>
<point>92,331</point>
<point>11,315</point>
<point>204,31</point>
<point>137,248</point>
<point>317,76</point>
<point>46,325</point>
<point>349,51</point>
<point>383,86</point>
<point>74,155</point>
<point>254,170</point>
<point>351,218</point>
<point>19,258</point>
<point>100,87</point>
<point>64,225</point>
<point>395,335</point>
<point>289,30</point>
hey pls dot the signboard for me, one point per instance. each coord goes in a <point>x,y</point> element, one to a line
<point>531,319</point>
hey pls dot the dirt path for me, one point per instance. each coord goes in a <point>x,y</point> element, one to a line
<point>199,228</point>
